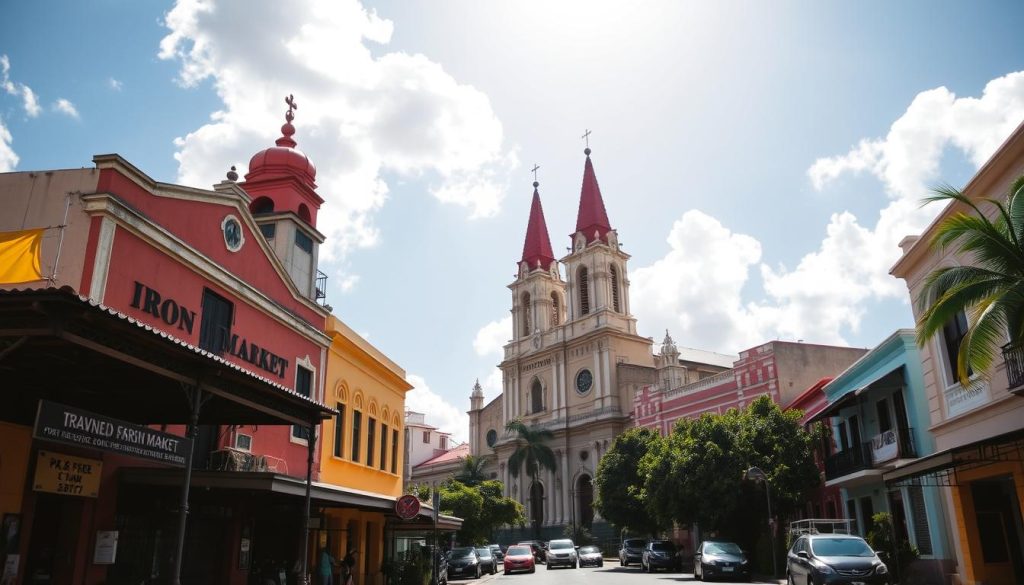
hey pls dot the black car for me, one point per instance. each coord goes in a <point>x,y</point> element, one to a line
<point>820,559</point>
<point>464,562</point>
<point>488,564</point>
<point>716,558</point>
<point>660,554</point>
<point>631,551</point>
<point>499,555</point>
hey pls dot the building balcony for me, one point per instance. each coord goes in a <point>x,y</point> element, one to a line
<point>867,460</point>
<point>1013,356</point>
<point>848,461</point>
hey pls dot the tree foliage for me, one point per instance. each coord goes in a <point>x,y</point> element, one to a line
<point>471,472</point>
<point>532,451</point>
<point>696,473</point>
<point>989,289</point>
<point>619,483</point>
<point>481,507</point>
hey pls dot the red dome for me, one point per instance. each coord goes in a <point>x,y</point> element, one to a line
<point>283,159</point>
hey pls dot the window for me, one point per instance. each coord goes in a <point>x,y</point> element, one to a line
<point>536,397</point>
<point>867,511</point>
<point>268,230</point>
<point>383,445</point>
<point>262,205</point>
<point>339,431</point>
<point>615,288</point>
<point>525,328</point>
<point>444,442</point>
<point>426,436</point>
<point>492,437</point>
<point>884,420</point>
<point>215,328</point>
<point>357,427</point>
<point>243,442</point>
<point>583,283</point>
<point>303,241</point>
<point>394,451</point>
<point>952,334</point>
<point>556,310</point>
<point>304,386</point>
<point>371,434</point>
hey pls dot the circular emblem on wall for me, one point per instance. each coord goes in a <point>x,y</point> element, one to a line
<point>232,229</point>
<point>407,507</point>
<point>492,437</point>
<point>584,380</point>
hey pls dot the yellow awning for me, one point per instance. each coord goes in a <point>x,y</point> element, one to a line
<point>19,256</point>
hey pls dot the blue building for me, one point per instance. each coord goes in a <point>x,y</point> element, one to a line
<point>878,414</point>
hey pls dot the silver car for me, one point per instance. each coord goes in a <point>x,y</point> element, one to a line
<point>561,553</point>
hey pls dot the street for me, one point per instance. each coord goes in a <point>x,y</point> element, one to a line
<point>611,573</point>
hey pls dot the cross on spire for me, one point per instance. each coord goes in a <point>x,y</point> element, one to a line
<point>292,106</point>
<point>534,171</point>
<point>586,136</point>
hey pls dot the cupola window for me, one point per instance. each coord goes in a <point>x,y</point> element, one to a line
<point>583,282</point>
<point>536,397</point>
<point>556,310</point>
<point>526,315</point>
<point>614,271</point>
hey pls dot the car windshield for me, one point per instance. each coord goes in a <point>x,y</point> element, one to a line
<point>722,548</point>
<point>484,552</point>
<point>663,546</point>
<point>463,552</point>
<point>588,549</point>
<point>560,544</point>
<point>518,550</point>
<point>841,547</point>
<point>634,543</point>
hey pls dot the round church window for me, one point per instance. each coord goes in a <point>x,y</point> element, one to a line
<point>584,380</point>
<point>492,437</point>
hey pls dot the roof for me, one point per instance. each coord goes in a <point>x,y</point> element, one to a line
<point>537,245</point>
<point>591,217</point>
<point>809,393</point>
<point>453,454</point>
<point>701,356</point>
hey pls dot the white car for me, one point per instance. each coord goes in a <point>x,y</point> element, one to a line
<point>561,552</point>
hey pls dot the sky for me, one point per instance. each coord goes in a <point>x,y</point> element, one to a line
<point>760,161</point>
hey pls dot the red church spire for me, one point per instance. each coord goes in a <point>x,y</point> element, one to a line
<point>537,246</point>
<point>592,218</point>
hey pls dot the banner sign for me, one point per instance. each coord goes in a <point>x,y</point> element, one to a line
<point>58,473</point>
<point>64,424</point>
<point>884,446</point>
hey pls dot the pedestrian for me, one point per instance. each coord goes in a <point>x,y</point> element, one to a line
<point>327,564</point>
<point>350,566</point>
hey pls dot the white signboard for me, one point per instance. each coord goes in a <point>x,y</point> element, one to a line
<point>106,547</point>
<point>960,400</point>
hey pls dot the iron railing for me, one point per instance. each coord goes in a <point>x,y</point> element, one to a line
<point>856,458</point>
<point>1013,355</point>
<point>321,288</point>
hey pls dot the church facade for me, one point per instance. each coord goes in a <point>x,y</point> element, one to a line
<point>572,367</point>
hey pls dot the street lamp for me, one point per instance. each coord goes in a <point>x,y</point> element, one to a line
<point>756,474</point>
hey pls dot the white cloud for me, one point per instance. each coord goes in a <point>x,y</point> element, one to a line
<point>361,114</point>
<point>439,412</point>
<point>66,107</point>
<point>8,158</point>
<point>114,84</point>
<point>28,97</point>
<point>492,337</point>
<point>697,287</point>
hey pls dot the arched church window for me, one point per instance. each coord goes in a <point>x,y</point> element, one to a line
<point>615,288</point>
<point>304,213</point>
<point>556,310</point>
<point>262,205</point>
<point>536,397</point>
<point>583,282</point>
<point>526,329</point>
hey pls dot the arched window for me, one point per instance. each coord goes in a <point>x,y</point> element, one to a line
<point>583,282</point>
<point>556,310</point>
<point>262,205</point>
<point>614,271</point>
<point>536,397</point>
<point>304,213</point>
<point>526,329</point>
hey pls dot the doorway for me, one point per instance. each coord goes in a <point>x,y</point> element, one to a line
<point>56,524</point>
<point>585,489</point>
<point>997,519</point>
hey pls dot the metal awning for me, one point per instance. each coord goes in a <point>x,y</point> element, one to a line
<point>940,469</point>
<point>56,345</point>
<point>850,397</point>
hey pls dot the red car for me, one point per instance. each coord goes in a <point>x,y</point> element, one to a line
<point>519,557</point>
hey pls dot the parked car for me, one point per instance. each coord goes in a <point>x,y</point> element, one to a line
<point>499,555</point>
<point>590,556</point>
<point>519,557</point>
<point>464,562</point>
<point>631,551</point>
<point>660,554</point>
<point>561,553</point>
<point>819,559</point>
<point>717,558</point>
<point>538,549</point>
<point>488,564</point>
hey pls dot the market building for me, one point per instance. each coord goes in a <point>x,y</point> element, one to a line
<point>978,428</point>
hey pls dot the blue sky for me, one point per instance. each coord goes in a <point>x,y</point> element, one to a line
<point>760,162</point>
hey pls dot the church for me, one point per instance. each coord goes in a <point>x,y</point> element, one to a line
<point>572,367</point>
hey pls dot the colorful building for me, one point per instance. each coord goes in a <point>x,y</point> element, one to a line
<point>978,429</point>
<point>824,502</point>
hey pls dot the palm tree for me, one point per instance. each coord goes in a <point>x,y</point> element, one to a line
<point>472,471</point>
<point>533,453</point>
<point>990,289</point>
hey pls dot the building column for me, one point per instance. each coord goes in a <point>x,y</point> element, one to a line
<point>566,486</point>
<point>606,377</point>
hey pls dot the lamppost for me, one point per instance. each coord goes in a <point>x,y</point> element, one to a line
<point>756,474</point>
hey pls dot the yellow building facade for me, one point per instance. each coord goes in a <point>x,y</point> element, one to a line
<point>361,448</point>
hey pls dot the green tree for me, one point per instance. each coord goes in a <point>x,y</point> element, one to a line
<point>471,471</point>
<point>989,290</point>
<point>481,507</point>
<point>532,453</point>
<point>619,483</point>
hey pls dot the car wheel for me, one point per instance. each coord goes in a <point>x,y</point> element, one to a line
<point>575,566</point>
<point>533,569</point>
<point>504,572</point>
